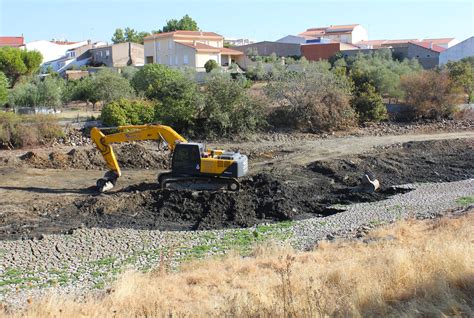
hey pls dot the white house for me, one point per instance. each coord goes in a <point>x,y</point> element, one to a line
<point>188,48</point>
<point>52,50</point>
<point>351,33</point>
<point>458,51</point>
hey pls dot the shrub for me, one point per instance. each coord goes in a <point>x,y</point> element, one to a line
<point>210,65</point>
<point>228,109</point>
<point>128,112</point>
<point>3,89</point>
<point>432,95</point>
<point>178,95</point>
<point>313,99</point>
<point>382,71</point>
<point>461,74</point>
<point>18,131</point>
<point>369,104</point>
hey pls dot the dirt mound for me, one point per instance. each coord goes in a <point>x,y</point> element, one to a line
<point>280,194</point>
<point>429,161</point>
<point>128,155</point>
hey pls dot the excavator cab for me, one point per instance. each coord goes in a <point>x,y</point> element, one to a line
<point>187,158</point>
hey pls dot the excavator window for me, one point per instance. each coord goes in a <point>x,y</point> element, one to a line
<point>186,159</point>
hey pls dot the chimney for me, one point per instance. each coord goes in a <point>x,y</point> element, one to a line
<point>431,45</point>
<point>194,43</point>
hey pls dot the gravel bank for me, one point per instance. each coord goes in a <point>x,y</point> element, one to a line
<point>89,259</point>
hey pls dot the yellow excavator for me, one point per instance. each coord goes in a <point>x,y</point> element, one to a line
<point>192,166</point>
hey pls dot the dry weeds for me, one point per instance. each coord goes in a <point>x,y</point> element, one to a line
<point>412,268</point>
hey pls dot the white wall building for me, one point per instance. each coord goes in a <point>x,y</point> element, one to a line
<point>458,51</point>
<point>188,48</point>
<point>351,33</point>
<point>52,50</point>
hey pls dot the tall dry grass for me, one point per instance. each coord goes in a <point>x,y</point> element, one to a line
<point>412,268</point>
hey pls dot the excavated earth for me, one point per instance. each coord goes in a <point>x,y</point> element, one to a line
<point>275,194</point>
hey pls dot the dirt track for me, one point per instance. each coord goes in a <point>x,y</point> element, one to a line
<point>285,184</point>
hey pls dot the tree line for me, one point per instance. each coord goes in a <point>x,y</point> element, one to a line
<point>131,35</point>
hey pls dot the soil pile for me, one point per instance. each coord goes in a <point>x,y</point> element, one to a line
<point>275,195</point>
<point>128,155</point>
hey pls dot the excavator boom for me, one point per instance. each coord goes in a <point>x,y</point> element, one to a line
<point>132,133</point>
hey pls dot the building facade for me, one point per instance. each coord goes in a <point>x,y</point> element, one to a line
<point>188,49</point>
<point>267,48</point>
<point>351,33</point>
<point>458,51</point>
<point>118,55</point>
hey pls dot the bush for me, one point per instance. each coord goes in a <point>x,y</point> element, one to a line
<point>369,104</point>
<point>228,109</point>
<point>211,65</point>
<point>432,95</point>
<point>178,95</point>
<point>382,71</point>
<point>128,112</point>
<point>3,89</point>
<point>313,99</point>
<point>19,131</point>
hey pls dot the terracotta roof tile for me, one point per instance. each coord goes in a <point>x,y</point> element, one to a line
<point>228,51</point>
<point>200,46</point>
<point>14,41</point>
<point>430,45</point>
<point>184,33</point>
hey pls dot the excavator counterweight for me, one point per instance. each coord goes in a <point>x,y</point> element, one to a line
<point>191,163</point>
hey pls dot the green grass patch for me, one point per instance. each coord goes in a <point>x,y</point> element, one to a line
<point>465,201</point>
<point>108,261</point>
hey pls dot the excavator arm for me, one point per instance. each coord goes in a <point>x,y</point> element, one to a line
<point>127,134</point>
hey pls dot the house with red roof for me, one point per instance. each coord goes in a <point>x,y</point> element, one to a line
<point>188,48</point>
<point>13,41</point>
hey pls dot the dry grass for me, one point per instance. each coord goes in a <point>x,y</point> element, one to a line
<point>414,268</point>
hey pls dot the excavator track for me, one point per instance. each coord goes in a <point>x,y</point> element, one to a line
<point>208,183</point>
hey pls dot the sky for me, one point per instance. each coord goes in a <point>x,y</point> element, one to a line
<point>259,20</point>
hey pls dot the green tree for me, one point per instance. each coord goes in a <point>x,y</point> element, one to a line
<point>228,108</point>
<point>178,95</point>
<point>15,62</point>
<point>50,92</point>
<point>210,65</point>
<point>112,86</point>
<point>128,112</point>
<point>25,94</point>
<point>3,89</point>
<point>118,36</point>
<point>11,64</point>
<point>461,74</point>
<point>129,72</point>
<point>185,23</point>
<point>381,71</point>
<point>32,60</point>
<point>369,104</point>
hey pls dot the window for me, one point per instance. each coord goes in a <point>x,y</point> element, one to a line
<point>107,53</point>
<point>101,54</point>
<point>176,60</point>
<point>185,60</point>
<point>149,59</point>
<point>170,60</point>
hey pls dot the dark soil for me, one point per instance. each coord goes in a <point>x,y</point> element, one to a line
<point>265,197</point>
